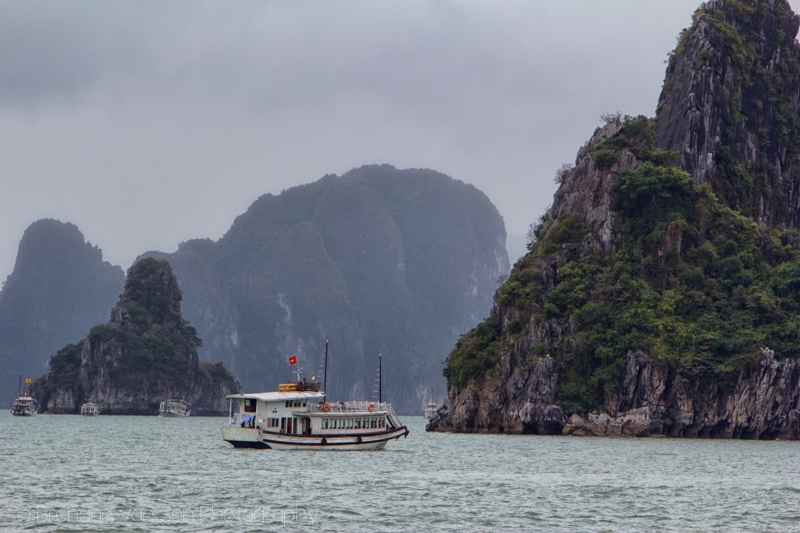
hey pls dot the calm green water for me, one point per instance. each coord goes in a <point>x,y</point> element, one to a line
<point>68,473</point>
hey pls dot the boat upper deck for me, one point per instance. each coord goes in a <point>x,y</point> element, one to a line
<point>277,396</point>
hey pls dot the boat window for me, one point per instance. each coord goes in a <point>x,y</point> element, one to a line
<point>249,405</point>
<point>372,423</point>
<point>283,424</point>
<point>324,423</point>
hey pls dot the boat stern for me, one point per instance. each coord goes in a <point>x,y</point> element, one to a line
<point>240,437</point>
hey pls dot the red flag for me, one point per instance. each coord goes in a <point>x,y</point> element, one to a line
<point>293,360</point>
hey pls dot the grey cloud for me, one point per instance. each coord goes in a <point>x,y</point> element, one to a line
<point>191,109</point>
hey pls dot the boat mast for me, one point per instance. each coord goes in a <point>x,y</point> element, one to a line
<point>380,378</point>
<point>19,386</point>
<point>325,374</point>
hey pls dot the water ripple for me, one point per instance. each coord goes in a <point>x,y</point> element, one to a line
<point>67,473</point>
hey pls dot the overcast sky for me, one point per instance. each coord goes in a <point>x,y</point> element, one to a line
<point>150,123</point>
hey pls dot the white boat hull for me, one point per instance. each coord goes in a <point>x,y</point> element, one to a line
<point>171,414</point>
<point>255,438</point>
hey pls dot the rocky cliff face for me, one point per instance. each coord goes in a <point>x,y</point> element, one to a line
<point>730,104</point>
<point>636,310</point>
<point>378,261</point>
<point>653,401</point>
<point>145,354</point>
<point>59,289</point>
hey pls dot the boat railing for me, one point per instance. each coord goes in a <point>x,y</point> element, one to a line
<point>350,407</point>
<point>394,420</point>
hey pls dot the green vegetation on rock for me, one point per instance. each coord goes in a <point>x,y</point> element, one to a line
<point>695,284</point>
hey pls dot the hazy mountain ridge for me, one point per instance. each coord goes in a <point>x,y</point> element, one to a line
<point>60,287</point>
<point>660,295</point>
<point>379,260</point>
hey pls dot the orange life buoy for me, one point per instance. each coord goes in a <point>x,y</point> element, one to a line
<point>326,406</point>
<point>371,407</point>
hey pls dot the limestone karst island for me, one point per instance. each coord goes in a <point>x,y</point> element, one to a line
<point>146,353</point>
<point>661,291</point>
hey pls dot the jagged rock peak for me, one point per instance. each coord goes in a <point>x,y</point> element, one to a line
<point>730,105</point>
<point>150,287</point>
<point>585,188</point>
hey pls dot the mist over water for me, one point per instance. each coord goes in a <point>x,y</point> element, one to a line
<point>68,473</point>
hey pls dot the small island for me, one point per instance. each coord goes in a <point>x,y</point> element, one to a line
<point>145,354</point>
<point>661,291</point>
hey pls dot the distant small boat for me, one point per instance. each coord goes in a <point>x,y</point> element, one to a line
<point>174,407</point>
<point>24,405</point>
<point>90,409</point>
<point>430,410</point>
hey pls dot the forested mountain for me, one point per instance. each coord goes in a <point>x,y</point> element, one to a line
<point>378,261</point>
<point>144,354</point>
<point>60,287</point>
<point>661,292</point>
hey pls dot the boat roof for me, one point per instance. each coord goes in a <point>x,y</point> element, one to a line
<point>276,396</point>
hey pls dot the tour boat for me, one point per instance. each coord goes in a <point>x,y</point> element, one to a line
<point>297,417</point>
<point>24,405</point>
<point>90,409</point>
<point>174,407</point>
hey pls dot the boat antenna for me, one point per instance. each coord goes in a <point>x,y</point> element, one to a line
<point>19,386</point>
<point>325,374</point>
<point>380,378</point>
<point>297,371</point>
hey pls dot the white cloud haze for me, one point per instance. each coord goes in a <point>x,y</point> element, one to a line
<point>151,123</point>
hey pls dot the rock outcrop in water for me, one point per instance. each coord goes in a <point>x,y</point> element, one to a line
<point>146,353</point>
<point>662,291</point>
